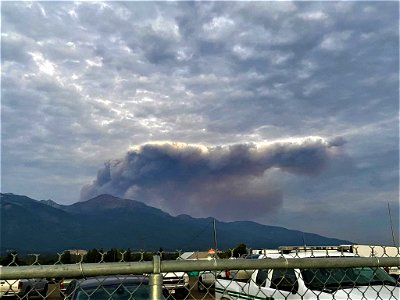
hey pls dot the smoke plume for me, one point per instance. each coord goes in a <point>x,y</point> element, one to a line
<point>221,181</point>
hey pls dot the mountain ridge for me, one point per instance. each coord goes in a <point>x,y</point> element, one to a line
<point>107,221</point>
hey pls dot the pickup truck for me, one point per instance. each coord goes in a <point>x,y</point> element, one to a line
<point>206,280</point>
<point>175,285</point>
<point>324,284</point>
<point>23,287</point>
<point>378,251</point>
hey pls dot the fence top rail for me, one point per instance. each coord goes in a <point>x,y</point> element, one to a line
<point>279,263</point>
<point>75,270</point>
<point>96,269</point>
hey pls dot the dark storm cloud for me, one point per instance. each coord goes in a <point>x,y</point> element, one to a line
<point>186,178</point>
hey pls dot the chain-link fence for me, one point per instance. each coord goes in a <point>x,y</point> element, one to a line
<point>344,272</point>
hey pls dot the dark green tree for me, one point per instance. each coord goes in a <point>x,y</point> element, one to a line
<point>92,256</point>
<point>225,254</point>
<point>136,256</point>
<point>112,255</point>
<point>11,259</point>
<point>239,250</point>
<point>128,255</point>
<point>66,258</point>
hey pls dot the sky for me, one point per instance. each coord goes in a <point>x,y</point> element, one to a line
<point>282,113</point>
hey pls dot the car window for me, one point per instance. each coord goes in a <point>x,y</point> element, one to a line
<point>70,288</point>
<point>114,292</point>
<point>261,277</point>
<point>338,278</point>
<point>284,280</point>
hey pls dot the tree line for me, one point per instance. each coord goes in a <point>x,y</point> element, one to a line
<point>94,255</point>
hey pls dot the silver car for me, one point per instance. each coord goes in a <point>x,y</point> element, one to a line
<point>119,287</point>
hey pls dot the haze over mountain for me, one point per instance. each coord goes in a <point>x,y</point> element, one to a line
<point>106,221</point>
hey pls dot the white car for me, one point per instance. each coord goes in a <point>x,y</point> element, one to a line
<point>117,287</point>
<point>176,284</point>
<point>307,284</point>
<point>23,287</point>
<point>206,279</point>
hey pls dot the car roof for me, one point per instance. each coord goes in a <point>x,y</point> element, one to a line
<point>114,279</point>
<point>309,254</point>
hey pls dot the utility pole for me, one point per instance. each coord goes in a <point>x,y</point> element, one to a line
<point>391,225</point>
<point>215,236</point>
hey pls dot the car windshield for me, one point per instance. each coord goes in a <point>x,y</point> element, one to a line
<point>330,280</point>
<point>113,291</point>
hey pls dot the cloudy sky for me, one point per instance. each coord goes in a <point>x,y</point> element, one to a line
<point>284,113</point>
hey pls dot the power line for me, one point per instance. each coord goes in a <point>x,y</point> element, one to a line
<point>194,237</point>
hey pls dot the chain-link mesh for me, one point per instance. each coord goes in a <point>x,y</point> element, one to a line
<point>246,278</point>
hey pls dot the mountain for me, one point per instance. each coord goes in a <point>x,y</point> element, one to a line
<point>50,202</point>
<point>105,221</point>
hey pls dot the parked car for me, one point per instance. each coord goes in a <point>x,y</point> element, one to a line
<point>176,284</point>
<point>23,287</point>
<point>119,287</point>
<point>63,285</point>
<point>206,279</point>
<point>311,283</point>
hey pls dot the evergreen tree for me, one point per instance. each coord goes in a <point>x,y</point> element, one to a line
<point>128,255</point>
<point>112,255</point>
<point>92,256</point>
<point>11,259</point>
<point>239,250</point>
<point>66,258</point>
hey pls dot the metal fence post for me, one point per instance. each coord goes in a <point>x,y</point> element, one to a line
<point>156,279</point>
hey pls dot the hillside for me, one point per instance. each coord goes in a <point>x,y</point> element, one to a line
<point>106,221</point>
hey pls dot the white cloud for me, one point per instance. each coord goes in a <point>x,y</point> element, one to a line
<point>95,62</point>
<point>242,52</point>
<point>219,27</point>
<point>314,16</point>
<point>43,64</point>
<point>336,41</point>
<point>166,27</point>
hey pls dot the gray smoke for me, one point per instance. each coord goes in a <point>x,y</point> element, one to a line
<point>205,181</point>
